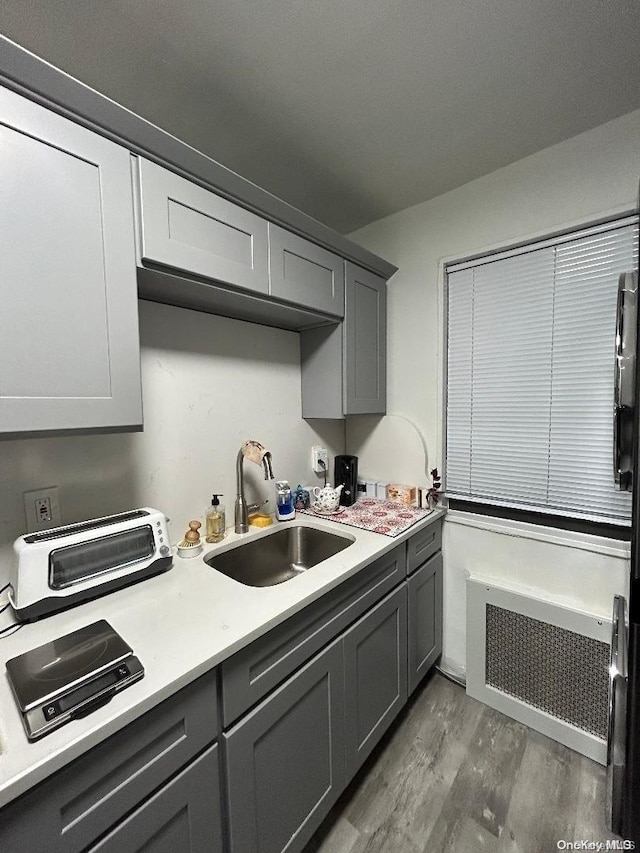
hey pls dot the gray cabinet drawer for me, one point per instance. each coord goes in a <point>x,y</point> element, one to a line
<point>304,273</point>
<point>189,228</point>
<point>251,673</point>
<point>285,760</point>
<point>423,545</point>
<point>73,808</point>
<point>425,619</point>
<point>182,817</point>
<point>375,675</point>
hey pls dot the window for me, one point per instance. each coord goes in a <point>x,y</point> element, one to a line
<point>531,343</point>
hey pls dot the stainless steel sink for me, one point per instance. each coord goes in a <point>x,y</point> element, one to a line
<point>279,556</point>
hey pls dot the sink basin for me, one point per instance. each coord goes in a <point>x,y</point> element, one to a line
<point>279,556</point>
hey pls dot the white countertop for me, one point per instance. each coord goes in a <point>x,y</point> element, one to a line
<point>180,624</point>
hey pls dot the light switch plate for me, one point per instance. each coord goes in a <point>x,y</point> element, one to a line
<point>42,509</point>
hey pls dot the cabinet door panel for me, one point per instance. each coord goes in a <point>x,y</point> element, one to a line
<point>194,230</point>
<point>304,273</point>
<point>182,817</point>
<point>69,321</point>
<point>285,759</point>
<point>425,619</point>
<point>365,343</point>
<point>375,652</point>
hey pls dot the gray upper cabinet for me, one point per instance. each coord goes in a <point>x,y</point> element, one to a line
<point>305,274</point>
<point>190,229</point>
<point>344,366</point>
<point>365,342</point>
<point>69,318</point>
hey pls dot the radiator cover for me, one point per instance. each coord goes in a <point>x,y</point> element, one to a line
<point>556,670</point>
<point>541,663</point>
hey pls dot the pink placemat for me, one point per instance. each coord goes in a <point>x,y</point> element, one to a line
<point>386,517</point>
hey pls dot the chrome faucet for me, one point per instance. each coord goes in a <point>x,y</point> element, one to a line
<point>254,451</point>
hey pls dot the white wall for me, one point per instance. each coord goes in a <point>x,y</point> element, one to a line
<point>577,181</point>
<point>208,383</point>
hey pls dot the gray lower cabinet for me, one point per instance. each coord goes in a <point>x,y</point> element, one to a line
<point>344,367</point>
<point>188,228</point>
<point>304,273</point>
<point>69,318</point>
<point>252,673</point>
<point>73,809</point>
<point>182,817</point>
<point>375,671</point>
<point>425,619</point>
<point>285,759</point>
<point>290,757</point>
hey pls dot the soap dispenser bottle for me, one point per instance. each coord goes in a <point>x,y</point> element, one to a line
<point>285,510</point>
<point>215,520</point>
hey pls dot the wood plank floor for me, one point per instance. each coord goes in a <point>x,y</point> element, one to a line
<point>455,776</point>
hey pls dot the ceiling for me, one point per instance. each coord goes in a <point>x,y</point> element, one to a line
<point>350,109</point>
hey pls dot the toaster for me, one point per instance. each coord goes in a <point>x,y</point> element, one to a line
<point>64,566</point>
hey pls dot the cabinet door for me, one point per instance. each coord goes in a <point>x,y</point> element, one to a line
<point>196,231</point>
<point>375,672</point>
<point>285,759</point>
<point>365,343</point>
<point>425,619</point>
<point>182,817</point>
<point>69,318</point>
<point>304,273</point>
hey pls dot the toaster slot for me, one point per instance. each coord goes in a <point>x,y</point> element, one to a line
<point>76,563</point>
<point>84,526</point>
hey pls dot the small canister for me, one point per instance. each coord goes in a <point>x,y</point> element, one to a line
<point>309,490</point>
<point>381,490</point>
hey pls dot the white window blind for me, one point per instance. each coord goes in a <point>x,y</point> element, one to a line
<point>531,344</point>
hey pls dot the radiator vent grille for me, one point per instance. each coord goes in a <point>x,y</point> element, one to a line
<point>551,668</point>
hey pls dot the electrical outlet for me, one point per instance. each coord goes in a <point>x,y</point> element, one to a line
<point>319,454</point>
<point>42,509</point>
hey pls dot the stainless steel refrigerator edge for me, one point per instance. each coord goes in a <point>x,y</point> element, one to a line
<point>624,695</point>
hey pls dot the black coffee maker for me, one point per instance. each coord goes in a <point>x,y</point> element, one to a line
<point>345,474</point>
